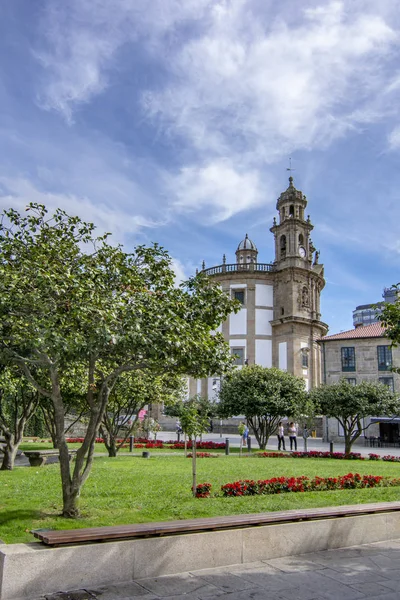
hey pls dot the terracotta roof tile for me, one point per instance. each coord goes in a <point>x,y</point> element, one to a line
<point>366,331</point>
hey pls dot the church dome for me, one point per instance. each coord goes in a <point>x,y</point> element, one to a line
<point>247,244</point>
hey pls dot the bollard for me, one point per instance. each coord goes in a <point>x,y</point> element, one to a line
<point>145,454</point>
<point>248,444</point>
<point>330,446</point>
<point>131,442</point>
<point>227,446</point>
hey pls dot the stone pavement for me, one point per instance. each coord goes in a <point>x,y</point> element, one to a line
<point>370,571</point>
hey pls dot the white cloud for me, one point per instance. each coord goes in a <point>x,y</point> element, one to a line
<point>17,193</point>
<point>394,138</point>
<point>217,189</point>
<point>262,87</point>
<point>180,271</point>
<point>83,37</point>
<point>243,83</point>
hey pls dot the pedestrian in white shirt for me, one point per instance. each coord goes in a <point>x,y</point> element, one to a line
<point>281,436</point>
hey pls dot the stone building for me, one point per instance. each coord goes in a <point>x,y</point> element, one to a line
<point>280,319</point>
<point>362,354</point>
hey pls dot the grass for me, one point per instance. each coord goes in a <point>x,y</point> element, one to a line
<point>128,489</point>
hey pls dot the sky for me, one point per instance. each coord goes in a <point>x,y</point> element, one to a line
<point>173,121</point>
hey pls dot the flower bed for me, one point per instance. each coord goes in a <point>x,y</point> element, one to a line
<point>311,454</point>
<point>203,455</point>
<point>79,440</point>
<point>391,458</point>
<point>278,485</point>
<point>199,445</point>
<point>203,490</point>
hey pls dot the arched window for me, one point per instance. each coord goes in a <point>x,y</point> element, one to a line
<point>291,211</point>
<point>283,246</point>
<point>301,240</point>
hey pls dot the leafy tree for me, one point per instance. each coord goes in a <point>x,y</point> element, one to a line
<point>194,417</point>
<point>264,395</point>
<point>18,403</point>
<point>350,404</point>
<point>69,300</point>
<point>130,395</point>
<point>390,318</point>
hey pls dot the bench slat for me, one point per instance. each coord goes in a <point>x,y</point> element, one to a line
<point>38,453</point>
<point>92,534</point>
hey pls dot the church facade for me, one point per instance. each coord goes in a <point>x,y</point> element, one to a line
<point>279,322</point>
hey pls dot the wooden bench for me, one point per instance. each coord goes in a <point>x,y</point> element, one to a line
<point>37,458</point>
<point>140,530</point>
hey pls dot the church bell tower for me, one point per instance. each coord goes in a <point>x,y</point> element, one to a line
<point>299,279</point>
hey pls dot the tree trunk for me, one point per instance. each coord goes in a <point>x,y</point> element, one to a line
<point>348,442</point>
<point>109,440</point>
<point>112,449</point>
<point>194,470</point>
<point>70,502</point>
<point>10,452</point>
<point>13,441</point>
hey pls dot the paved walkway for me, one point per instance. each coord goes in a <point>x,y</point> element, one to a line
<point>312,443</point>
<point>371,571</point>
<point>234,440</point>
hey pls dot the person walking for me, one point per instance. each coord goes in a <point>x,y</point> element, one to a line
<point>292,430</point>
<point>281,436</point>
<point>245,434</point>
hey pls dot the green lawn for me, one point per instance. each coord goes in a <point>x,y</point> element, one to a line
<point>129,489</point>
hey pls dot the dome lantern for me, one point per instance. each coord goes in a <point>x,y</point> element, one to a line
<point>246,252</point>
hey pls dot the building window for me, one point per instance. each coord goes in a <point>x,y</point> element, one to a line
<point>351,381</point>
<point>387,381</point>
<point>304,360</point>
<point>283,246</point>
<point>384,358</point>
<point>239,295</point>
<point>348,359</point>
<point>238,353</point>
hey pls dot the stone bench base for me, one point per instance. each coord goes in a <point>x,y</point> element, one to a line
<point>30,570</point>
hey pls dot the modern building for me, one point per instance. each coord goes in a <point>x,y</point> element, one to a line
<point>362,354</point>
<point>280,319</point>
<point>366,314</point>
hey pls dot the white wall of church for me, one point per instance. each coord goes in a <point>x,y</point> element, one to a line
<point>237,343</point>
<point>263,318</point>
<point>283,356</point>
<point>264,353</point>
<point>264,295</point>
<point>238,323</point>
<point>211,392</point>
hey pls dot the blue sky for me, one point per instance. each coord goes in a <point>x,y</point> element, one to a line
<point>173,121</point>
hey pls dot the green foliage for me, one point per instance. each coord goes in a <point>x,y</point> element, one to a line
<point>36,427</point>
<point>350,404</point>
<point>157,490</point>
<point>390,318</point>
<point>74,303</point>
<point>264,396</point>
<point>195,416</point>
<point>133,391</point>
<point>241,428</point>
<point>18,403</point>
